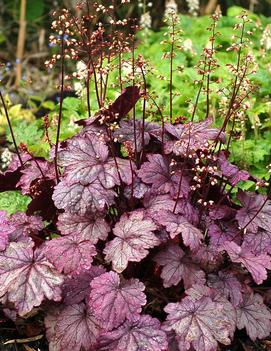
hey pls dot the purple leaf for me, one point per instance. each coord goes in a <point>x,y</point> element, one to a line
<point>157,171</point>
<point>86,160</point>
<point>80,199</point>
<point>72,329</point>
<point>139,334</point>
<point>253,315</point>
<point>207,257</point>
<point>116,111</point>
<point>134,237</point>
<point>126,133</point>
<point>15,162</point>
<point>154,203</point>
<point>27,277</point>
<point>200,324</point>
<point>255,264</point>
<point>223,232</point>
<point>228,310</point>
<point>6,227</point>
<point>177,267</point>
<point>3,239</point>
<point>221,211</point>
<point>24,227</point>
<point>252,203</point>
<point>228,285</point>
<point>231,171</point>
<point>50,324</point>
<point>32,172</point>
<point>70,254</point>
<point>191,136</point>
<point>259,242</point>
<point>121,170</point>
<point>139,189</point>
<point>89,227</point>
<point>113,300</point>
<point>172,341</point>
<point>177,224</point>
<point>124,103</point>
<point>77,288</point>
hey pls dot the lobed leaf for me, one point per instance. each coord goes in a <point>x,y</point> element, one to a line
<point>114,300</point>
<point>134,236</point>
<point>140,334</point>
<point>70,254</point>
<point>27,277</point>
<point>257,265</point>
<point>177,266</point>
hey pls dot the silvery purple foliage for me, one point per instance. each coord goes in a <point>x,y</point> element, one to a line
<point>138,245</point>
<point>113,300</point>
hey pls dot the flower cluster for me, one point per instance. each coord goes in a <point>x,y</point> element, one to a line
<point>193,7</point>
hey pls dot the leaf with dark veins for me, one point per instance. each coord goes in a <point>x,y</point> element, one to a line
<point>77,288</point>
<point>176,224</point>
<point>223,232</point>
<point>191,136</point>
<point>200,324</point>
<point>157,172</point>
<point>259,242</point>
<point>86,160</point>
<point>83,159</point>
<point>142,333</point>
<point>72,329</point>
<point>256,211</point>
<point>134,236</point>
<point>114,300</point>
<point>33,171</point>
<point>257,265</point>
<point>126,133</point>
<point>232,172</point>
<point>88,227</point>
<point>24,226</point>
<point>6,228</point>
<point>177,266</point>
<point>228,285</point>
<point>254,315</point>
<point>139,189</point>
<point>228,311</point>
<point>28,277</point>
<point>80,199</point>
<point>70,254</point>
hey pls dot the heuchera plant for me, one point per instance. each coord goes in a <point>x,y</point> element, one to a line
<point>134,232</point>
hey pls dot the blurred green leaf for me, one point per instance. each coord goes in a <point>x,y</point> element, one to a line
<point>13,201</point>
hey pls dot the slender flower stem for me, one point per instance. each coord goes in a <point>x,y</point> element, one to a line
<point>120,71</point>
<point>171,73</point>
<point>143,113</point>
<point>11,129</point>
<point>134,111</point>
<point>236,87</point>
<point>212,39</point>
<point>163,122</point>
<point>88,91</point>
<point>60,105</point>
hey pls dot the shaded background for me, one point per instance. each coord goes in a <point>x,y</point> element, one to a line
<point>25,26</point>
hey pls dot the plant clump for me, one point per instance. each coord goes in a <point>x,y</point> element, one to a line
<point>137,232</point>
